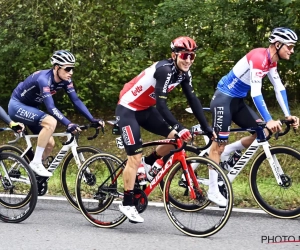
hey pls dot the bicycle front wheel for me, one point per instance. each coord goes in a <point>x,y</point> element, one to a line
<point>69,171</point>
<point>99,190</point>
<point>281,201</point>
<point>18,188</point>
<point>208,219</point>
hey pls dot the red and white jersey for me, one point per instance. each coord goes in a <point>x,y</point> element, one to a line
<point>151,87</point>
<point>247,75</point>
<point>139,93</point>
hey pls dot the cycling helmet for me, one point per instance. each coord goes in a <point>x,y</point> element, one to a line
<point>62,57</point>
<point>283,35</point>
<point>183,43</point>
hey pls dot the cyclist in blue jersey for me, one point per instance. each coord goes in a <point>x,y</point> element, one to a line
<point>38,88</point>
<point>228,104</point>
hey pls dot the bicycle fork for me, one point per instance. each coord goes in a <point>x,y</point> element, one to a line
<point>274,164</point>
<point>190,178</point>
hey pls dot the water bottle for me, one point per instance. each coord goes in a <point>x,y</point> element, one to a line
<point>156,167</point>
<point>234,158</point>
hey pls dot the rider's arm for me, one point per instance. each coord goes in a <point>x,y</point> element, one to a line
<point>49,103</point>
<point>77,102</point>
<point>280,91</point>
<point>163,76</point>
<point>194,102</point>
<point>256,75</point>
<point>4,116</point>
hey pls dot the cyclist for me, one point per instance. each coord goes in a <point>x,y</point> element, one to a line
<point>16,126</point>
<point>136,109</point>
<point>38,88</point>
<point>228,104</point>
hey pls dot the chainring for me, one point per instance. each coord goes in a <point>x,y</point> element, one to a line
<point>140,200</point>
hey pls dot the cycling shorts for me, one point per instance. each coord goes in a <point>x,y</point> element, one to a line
<point>30,116</point>
<point>225,109</point>
<point>130,121</point>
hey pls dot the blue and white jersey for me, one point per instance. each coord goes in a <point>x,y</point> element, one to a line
<point>247,75</point>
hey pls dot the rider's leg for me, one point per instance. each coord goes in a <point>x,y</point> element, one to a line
<point>241,144</point>
<point>244,117</point>
<point>49,147</point>
<point>49,125</point>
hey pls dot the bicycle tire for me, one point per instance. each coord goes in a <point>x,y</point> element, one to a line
<point>282,204</point>
<point>105,195</point>
<point>70,170</point>
<point>12,201</point>
<point>17,150</point>
<point>177,217</point>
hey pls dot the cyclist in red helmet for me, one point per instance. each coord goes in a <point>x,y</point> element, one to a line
<point>136,109</point>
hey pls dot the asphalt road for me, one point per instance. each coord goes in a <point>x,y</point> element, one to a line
<point>55,224</point>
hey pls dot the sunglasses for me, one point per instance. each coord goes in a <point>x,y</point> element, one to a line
<point>290,46</point>
<point>185,55</point>
<point>67,69</point>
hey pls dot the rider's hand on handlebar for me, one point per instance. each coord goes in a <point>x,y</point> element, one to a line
<point>100,121</point>
<point>210,133</point>
<point>185,135</point>
<point>16,126</point>
<point>295,120</point>
<point>73,128</point>
<point>274,126</point>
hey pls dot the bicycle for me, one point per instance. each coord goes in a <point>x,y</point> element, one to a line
<point>105,191</point>
<point>71,154</point>
<point>17,184</point>
<point>269,172</point>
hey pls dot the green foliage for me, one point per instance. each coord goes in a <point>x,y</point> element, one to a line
<point>114,40</point>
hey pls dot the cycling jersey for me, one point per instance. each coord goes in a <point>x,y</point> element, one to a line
<point>247,75</point>
<point>151,87</point>
<point>39,87</point>
<point>4,116</point>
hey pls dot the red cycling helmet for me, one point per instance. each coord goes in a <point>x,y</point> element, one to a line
<point>183,43</point>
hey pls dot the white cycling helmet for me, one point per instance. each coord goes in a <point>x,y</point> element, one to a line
<point>62,57</point>
<point>283,35</point>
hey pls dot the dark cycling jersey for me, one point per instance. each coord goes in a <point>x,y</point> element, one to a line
<point>39,87</point>
<point>151,87</point>
<point>4,116</point>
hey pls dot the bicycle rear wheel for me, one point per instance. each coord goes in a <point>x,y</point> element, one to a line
<point>99,197</point>
<point>18,188</point>
<point>69,171</point>
<point>206,220</point>
<point>281,201</point>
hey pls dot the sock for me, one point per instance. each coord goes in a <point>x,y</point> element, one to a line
<point>213,181</point>
<point>38,154</point>
<point>128,198</point>
<point>150,159</point>
<point>231,148</point>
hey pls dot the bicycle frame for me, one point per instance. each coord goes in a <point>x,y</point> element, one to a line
<point>260,141</point>
<point>61,154</point>
<point>169,161</point>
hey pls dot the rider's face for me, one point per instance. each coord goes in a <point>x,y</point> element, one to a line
<point>65,72</point>
<point>185,60</point>
<point>286,51</point>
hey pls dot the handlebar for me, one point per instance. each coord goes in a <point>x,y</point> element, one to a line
<point>287,129</point>
<point>96,126</point>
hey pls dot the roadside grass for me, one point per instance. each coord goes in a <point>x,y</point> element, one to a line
<point>106,142</point>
